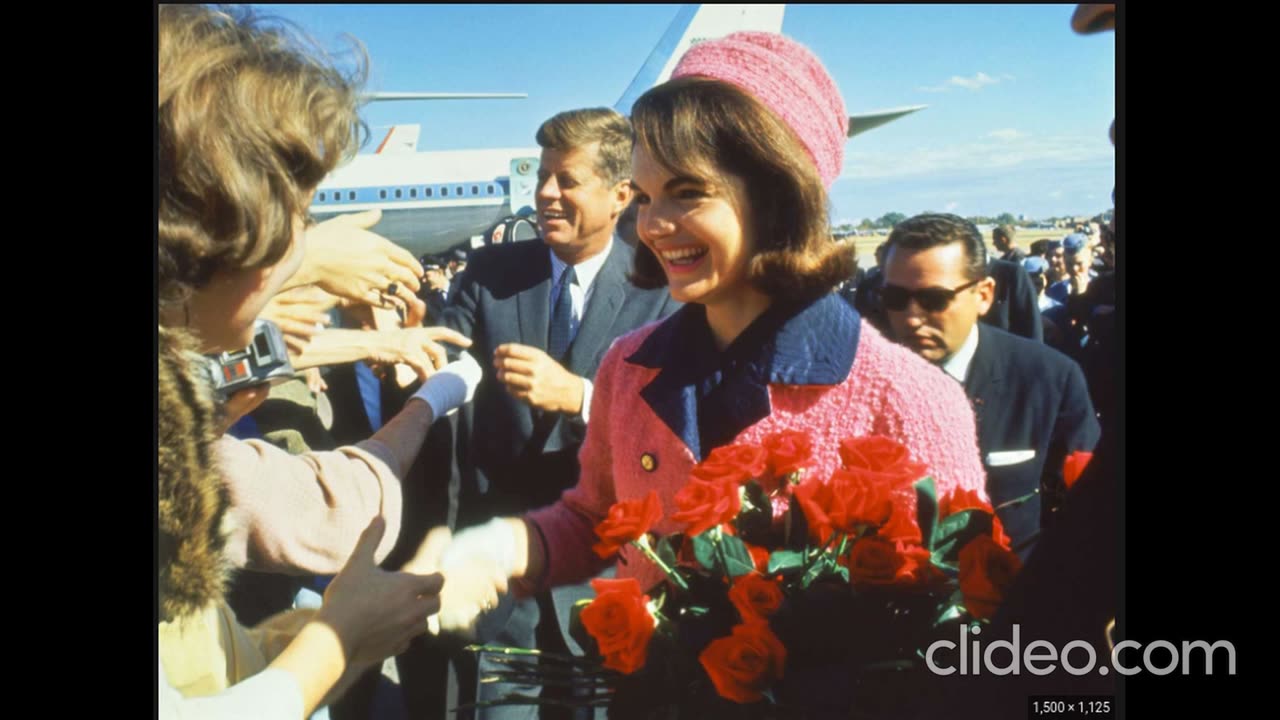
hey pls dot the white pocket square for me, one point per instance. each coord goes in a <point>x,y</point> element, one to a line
<point>1009,457</point>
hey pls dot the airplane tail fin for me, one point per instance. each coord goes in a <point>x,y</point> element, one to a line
<point>401,139</point>
<point>692,25</point>
<point>862,122</point>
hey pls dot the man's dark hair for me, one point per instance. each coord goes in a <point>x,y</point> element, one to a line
<point>1004,231</point>
<point>931,230</point>
<point>1040,247</point>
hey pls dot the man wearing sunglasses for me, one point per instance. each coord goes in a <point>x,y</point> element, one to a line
<point>1030,401</point>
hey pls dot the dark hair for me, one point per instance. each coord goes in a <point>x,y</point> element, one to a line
<point>693,123</point>
<point>1005,231</point>
<point>1040,247</point>
<point>931,230</point>
<point>576,128</point>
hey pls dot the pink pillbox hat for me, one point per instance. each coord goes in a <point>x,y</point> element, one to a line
<point>788,79</point>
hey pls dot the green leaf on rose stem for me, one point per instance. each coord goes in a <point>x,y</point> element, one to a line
<point>843,572</point>
<point>736,556</point>
<point>818,570</point>
<point>785,561</point>
<point>953,612</point>
<point>666,548</point>
<point>954,532</point>
<point>927,511</point>
<point>704,549</point>
<point>696,610</point>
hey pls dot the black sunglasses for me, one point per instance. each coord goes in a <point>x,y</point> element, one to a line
<point>931,299</point>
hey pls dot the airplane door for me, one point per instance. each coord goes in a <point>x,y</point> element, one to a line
<point>524,184</point>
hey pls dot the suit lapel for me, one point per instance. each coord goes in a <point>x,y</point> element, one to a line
<point>984,382</point>
<point>534,305</point>
<point>607,297</point>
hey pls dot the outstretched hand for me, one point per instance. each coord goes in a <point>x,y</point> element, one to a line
<point>348,260</point>
<point>471,587</point>
<point>376,613</point>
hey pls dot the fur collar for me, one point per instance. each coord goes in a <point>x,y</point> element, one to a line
<point>192,498</point>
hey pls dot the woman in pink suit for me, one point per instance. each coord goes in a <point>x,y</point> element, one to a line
<point>732,162</point>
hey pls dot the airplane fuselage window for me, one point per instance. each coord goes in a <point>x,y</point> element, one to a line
<point>321,197</point>
<point>351,195</point>
<point>444,192</point>
<point>490,189</point>
<point>459,189</point>
<point>398,194</point>
<point>475,189</point>
<point>382,194</point>
<point>427,192</point>
<point>413,192</point>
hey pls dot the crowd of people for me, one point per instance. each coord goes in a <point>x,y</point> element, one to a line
<point>459,424</point>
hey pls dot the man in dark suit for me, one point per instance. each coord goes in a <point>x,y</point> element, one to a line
<point>1031,402</point>
<point>541,316</point>
<point>1002,238</point>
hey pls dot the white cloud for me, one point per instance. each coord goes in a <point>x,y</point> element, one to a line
<point>974,83</point>
<point>1021,151</point>
<point>952,206</point>
<point>977,82</point>
<point>1006,134</point>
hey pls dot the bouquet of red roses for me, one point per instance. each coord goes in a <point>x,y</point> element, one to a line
<point>785,595</point>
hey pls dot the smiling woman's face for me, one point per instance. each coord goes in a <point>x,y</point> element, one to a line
<point>697,228</point>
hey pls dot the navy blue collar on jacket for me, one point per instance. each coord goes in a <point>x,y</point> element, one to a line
<point>707,397</point>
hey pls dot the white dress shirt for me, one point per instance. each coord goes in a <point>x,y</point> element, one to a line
<point>580,293</point>
<point>957,366</point>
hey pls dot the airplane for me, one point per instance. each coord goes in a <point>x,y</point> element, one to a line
<point>437,200</point>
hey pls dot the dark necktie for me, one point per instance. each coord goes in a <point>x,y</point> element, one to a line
<point>561,316</point>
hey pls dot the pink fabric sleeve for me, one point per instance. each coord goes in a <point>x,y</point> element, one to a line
<point>302,514</point>
<point>929,412</point>
<point>566,530</point>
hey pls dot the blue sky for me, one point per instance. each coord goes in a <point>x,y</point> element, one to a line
<point>1017,121</point>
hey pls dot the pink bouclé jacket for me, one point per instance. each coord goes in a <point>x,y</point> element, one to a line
<point>824,372</point>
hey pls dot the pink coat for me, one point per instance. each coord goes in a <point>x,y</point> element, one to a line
<point>888,391</point>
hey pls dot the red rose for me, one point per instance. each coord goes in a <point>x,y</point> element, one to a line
<point>875,561</point>
<point>759,557</point>
<point>627,520</point>
<point>986,572</point>
<point>963,499</point>
<point>736,463</point>
<point>998,534</point>
<point>901,527</point>
<point>1074,465</point>
<point>745,663</point>
<point>917,567</point>
<point>842,505</point>
<point>620,623</point>
<point>705,504</point>
<point>788,450</point>
<point>755,596</point>
<point>883,459</point>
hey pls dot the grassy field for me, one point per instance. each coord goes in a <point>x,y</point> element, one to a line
<point>867,245</point>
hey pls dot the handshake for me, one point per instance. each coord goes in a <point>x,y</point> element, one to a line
<point>476,564</point>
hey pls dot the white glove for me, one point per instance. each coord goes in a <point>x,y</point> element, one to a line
<point>494,541</point>
<point>476,566</point>
<point>451,386</point>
